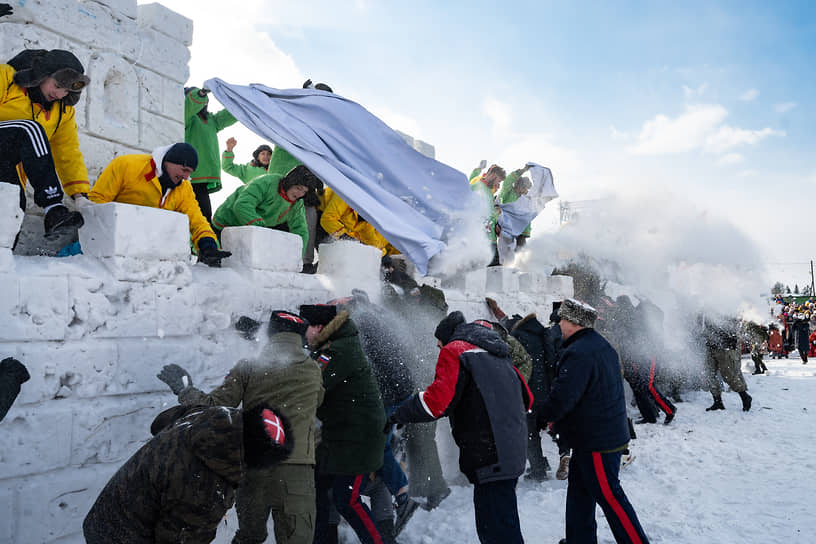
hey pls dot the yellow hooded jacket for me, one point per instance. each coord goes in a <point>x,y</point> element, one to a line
<point>339,218</point>
<point>132,179</point>
<point>60,127</point>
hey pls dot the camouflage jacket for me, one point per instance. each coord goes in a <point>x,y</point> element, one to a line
<point>177,487</point>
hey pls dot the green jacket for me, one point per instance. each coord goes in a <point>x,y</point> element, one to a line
<point>203,136</point>
<point>244,172</point>
<point>352,413</point>
<point>283,377</point>
<point>282,161</point>
<point>177,487</point>
<point>260,204</point>
<point>507,194</point>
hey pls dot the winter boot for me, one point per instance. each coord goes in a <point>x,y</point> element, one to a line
<point>718,405</point>
<point>643,420</point>
<point>332,534</point>
<point>435,499</point>
<point>406,507</point>
<point>59,218</point>
<point>746,401</point>
<point>386,529</point>
<point>669,417</point>
<point>563,468</point>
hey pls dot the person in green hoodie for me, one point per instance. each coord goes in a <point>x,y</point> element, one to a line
<point>352,417</point>
<point>246,172</point>
<point>271,200</point>
<point>282,376</point>
<point>201,128</point>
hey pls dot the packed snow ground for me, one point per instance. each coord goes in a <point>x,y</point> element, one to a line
<point>707,478</point>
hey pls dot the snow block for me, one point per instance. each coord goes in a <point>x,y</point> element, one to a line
<point>177,311</point>
<point>53,506</point>
<point>99,152</point>
<point>109,432</point>
<point>156,130</point>
<point>11,216</point>
<point>126,8</point>
<point>125,230</point>
<point>166,21</point>
<point>44,443</point>
<point>7,529</point>
<point>501,279</point>
<point>476,280</point>
<point>163,54</point>
<point>114,82</point>
<point>561,287</point>
<point>352,261</point>
<point>263,249</point>
<point>34,308</point>
<point>138,270</point>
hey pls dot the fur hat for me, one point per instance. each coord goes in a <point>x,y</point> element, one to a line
<point>182,154</point>
<point>283,321</point>
<point>318,314</point>
<point>444,331</point>
<point>268,437</point>
<point>300,175</point>
<point>33,66</point>
<point>262,147</point>
<point>578,312</point>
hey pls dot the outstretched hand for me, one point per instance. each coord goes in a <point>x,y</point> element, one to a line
<point>231,143</point>
<point>175,377</point>
<point>6,9</point>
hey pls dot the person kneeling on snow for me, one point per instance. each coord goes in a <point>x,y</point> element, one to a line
<point>178,486</point>
<point>161,181</point>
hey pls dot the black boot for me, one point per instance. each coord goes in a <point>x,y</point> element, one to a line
<point>59,218</point>
<point>746,401</point>
<point>405,510</point>
<point>386,529</point>
<point>718,405</point>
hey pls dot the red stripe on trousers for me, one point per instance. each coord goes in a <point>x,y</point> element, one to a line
<point>359,509</point>
<point>597,461</point>
<point>653,391</point>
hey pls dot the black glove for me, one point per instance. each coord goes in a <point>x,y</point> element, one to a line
<point>247,327</point>
<point>11,367</point>
<point>175,377</point>
<point>209,254</point>
<point>5,9</point>
<point>390,422</point>
<point>203,92</point>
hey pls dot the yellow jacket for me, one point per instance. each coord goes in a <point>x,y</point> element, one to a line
<point>339,218</point>
<point>131,179</point>
<point>60,127</point>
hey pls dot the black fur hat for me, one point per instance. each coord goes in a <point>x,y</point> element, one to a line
<point>299,175</point>
<point>268,437</point>
<point>447,326</point>
<point>283,321</point>
<point>318,314</point>
<point>33,66</point>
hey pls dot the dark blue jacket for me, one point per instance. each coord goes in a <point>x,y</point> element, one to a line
<point>485,398</point>
<point>587,400</point>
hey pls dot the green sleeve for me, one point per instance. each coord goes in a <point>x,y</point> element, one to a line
<point>476,172</point>
<point>229,393</point>
<point>246,206</point>
<point>223,119</point>
<point>238,170</point>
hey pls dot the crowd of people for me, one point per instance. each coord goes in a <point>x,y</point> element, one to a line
<point>796,330</point>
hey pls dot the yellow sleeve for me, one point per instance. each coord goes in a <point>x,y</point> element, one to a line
<point>332,218</point>
<point>68,159</point>
<point>109,184</point>
<point>6,75</point>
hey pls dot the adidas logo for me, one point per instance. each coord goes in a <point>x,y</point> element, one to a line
<point>52,191</point>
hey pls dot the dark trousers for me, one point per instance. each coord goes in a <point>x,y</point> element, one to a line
<point>203,198</point>
<point>344,492</point>
<point>24,141</point>
<point>647,396</point>
<point>496,510</point>
<point>538,463</point>
<point>593,479</point>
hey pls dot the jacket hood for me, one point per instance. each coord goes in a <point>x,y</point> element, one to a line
<point>480,336</point>
<point>284,348</point>
<point>158,157</point>
<point>332,327</point>
<point>216,436</point>
<point>529,323</point>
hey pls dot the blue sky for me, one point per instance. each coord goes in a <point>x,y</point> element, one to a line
<point>709,102</point>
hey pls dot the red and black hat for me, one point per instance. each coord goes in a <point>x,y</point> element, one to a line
<point>318,314</point>
<point>283,321</point>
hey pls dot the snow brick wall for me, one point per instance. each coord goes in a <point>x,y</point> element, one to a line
<point>94,329</point>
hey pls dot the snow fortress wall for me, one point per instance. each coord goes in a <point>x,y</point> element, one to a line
<point>94,329</point>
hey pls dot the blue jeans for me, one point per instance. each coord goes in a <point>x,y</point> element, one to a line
<point>391,472</point>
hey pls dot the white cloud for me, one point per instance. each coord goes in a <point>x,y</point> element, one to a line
<point>683,133</point>
<point>699,127</point>
<point>749,95</point>
<point>785,106</point>
<point>731,158</point>
<point>618,136</point>
<point>725,137</point>
<point>690,93</point>
<point>500,113</point>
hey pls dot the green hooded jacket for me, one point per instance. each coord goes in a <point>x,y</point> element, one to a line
<point>203,136</point>
<point>282,161</point>
<point>352,413</point>
<point>260,204</point>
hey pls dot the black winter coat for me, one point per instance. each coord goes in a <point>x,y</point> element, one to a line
<point>485,398</point>
<point>587,399</point>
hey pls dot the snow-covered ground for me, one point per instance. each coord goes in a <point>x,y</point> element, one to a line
<point>707,478</point>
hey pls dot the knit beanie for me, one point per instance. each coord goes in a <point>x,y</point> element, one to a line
<point>262,147</point>
<point>318,314</point>
<point>283,321</point>
<point>578,312</point>
<point>444,331</point>
<point>268,438</point>
<point>182,154</point>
